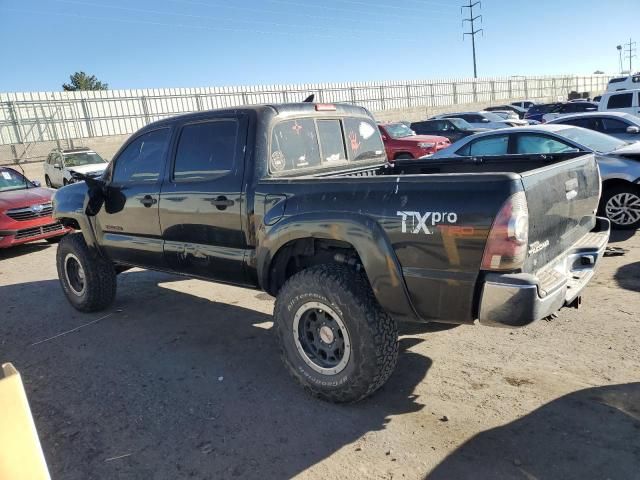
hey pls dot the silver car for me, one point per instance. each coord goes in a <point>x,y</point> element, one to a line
<point>623,126</point>
<point>482,119</point>
<point>619,161</point>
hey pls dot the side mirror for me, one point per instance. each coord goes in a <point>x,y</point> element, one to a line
<point>57,166</point>
<point>485,120</point>
<point>384,137</point>
<point>36,183</point>
<point>633,129</point>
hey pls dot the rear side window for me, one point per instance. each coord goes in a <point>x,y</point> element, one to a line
<point>294,145</point>
<point>621,100</point>
<point>363,139</point>
<point>206,150</point>
<point>526,144</point>
<point>143,159</point>
<point>612,125</point>
<point>331,141</point>
<point>495,145</point>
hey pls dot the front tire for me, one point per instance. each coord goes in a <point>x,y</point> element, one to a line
<point>621,205</point>
<point>335,338</point>
<point>87,279</point>
<point>47,181</point>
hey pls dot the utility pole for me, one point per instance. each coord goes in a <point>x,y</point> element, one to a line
<point>630,53</point>
<point>619,47</point>
<point>473,31</point>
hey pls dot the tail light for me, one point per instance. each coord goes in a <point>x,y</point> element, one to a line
<point>506,247</point>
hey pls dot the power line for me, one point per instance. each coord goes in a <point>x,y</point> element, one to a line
<point>473,31</point>
<point>630,53</point>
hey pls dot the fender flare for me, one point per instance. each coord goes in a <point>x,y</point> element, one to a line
<point>367,237</point>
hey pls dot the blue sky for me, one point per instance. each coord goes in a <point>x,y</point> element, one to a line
<point>188,43</point>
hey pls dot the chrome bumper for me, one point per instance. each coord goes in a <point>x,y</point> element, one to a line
<point>515,300</point>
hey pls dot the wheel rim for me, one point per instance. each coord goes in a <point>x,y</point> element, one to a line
<point>321,338</point>
<point>74,273</point>
<point>623,208</point>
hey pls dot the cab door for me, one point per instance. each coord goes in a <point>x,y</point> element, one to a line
<point>202,200</point>
<point>127,225</point>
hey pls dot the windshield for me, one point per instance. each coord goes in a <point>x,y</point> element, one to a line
<point>399,130</point>
<point>492,117</point>
<point>12,180</point>
<point>461,124</point>
<point>82,158</point>
<point>596,141</point>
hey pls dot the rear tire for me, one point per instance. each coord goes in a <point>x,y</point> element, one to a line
<point>87,279</point>
<point>621,205</point>
<point>336,340</point>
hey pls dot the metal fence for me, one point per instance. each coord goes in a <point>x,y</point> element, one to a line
<point>29,118</point>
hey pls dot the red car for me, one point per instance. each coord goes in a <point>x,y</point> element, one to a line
<point>25,211</point>
<point>401,142</point>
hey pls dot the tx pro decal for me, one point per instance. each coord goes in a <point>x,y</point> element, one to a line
<point>417,222</point>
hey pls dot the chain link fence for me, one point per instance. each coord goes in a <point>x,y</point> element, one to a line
<point>33,123</point>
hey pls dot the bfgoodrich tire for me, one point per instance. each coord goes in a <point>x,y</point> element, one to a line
<point>621,205</point>
<point>336,340</point>
<point>88,280</point>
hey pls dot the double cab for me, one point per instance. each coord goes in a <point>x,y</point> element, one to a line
<point>300,201</point>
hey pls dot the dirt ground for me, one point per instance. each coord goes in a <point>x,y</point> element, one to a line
<point>182,379</point>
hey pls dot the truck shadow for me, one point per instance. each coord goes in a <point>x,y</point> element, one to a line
<point>592,433</point>
<point>628,276</point>
<point>180,385</point>
<point>619,236</point>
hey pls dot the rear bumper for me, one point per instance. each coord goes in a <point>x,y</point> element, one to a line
<point>515,300</point>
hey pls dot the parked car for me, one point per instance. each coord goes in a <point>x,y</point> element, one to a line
<point>537,111</point>
<point>452,128</point>
<point>619,161</point>
<point>520,112</point>
<point>300,201</point>
<point>479,119</point>
<point>526,104</point>
<point>25,211</point>
<point>630,82</point>
<point>402,142</point>
<point>569,108</point>
<point>626,102</point>
<point>61,166</point>
<point>623,126</point>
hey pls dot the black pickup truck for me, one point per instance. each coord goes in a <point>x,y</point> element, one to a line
<point>299,200</point>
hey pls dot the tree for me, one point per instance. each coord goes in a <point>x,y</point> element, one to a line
<point>82,81</point>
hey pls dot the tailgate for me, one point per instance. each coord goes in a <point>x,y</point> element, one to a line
<point>562,200</point>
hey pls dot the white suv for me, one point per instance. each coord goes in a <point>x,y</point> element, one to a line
<point>62,164</point>
<point>624,83</point>
<point>627,101</point>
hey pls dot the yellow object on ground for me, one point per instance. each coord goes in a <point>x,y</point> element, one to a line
<point>21,456</point>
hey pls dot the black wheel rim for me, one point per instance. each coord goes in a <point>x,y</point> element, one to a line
<point>321,338</point>
<point>75,274</point>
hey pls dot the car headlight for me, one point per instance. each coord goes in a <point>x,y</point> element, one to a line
<point>426,145</point>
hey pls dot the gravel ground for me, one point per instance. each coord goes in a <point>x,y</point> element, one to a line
<point>182,379</point>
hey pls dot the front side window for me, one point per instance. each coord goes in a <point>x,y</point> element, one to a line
<point>143,159</point>
<point>206,150</point>
<point>294,145</point>
<point>532,144</point>
<point>621,100</point>
<point>613,125</point>
<point>578,122</point>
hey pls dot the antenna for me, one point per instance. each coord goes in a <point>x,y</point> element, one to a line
<point>473,31</point>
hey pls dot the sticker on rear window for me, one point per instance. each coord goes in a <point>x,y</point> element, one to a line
<point>354,143</point>
<point>366,130</point>
<point>278,161</point>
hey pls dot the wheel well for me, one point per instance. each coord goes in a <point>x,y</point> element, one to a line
<point>301,254</point>
<point>399,154</point>
<point>70,222</point>
<point>616,182</point>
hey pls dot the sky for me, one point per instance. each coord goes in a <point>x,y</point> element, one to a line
<point>196,43</point>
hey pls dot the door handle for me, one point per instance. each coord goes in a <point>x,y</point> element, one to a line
<point>148,200</point>
<point>222,202</point>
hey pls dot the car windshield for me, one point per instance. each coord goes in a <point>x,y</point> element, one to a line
<point>399,130</point>
<point>12,180</point>
<point>461,124</point>
<point>506,115</point>
<point>492,117</point>
<point>596,141</point>
<point>82,158</point>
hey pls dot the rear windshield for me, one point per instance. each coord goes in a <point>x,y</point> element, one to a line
<point>546,108</point>
<point>307,143</point>
<point>82,158</point>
